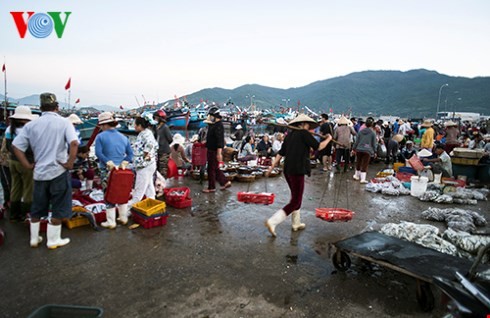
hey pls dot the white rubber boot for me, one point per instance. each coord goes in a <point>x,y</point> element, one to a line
<point>296,224</point>
<point>35,238</point>
<point>111,219</point>
<point>54,237</point>
<point>357,175</point>
<point>122,209</point>
<point>274,220</point>
<point>89,184</point>
<point>363,177</point>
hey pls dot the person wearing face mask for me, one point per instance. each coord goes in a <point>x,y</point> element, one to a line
<point>296,152</point>
<point>215,142</point>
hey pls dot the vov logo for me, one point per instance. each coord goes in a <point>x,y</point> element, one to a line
<point>40,25</point>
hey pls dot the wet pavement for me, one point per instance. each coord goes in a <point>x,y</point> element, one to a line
<point>217,259</point>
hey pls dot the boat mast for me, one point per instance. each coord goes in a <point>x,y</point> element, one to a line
<point>4,69</point>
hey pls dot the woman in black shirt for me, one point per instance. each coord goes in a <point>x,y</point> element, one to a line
<point>296,151</point>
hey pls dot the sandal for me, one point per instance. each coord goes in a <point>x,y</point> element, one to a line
<point>209,190</point>
<point>226,186</point>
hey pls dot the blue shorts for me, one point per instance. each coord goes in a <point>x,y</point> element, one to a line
<point>57,193</point>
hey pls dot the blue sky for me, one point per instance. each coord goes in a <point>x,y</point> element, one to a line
<point>116,50</point>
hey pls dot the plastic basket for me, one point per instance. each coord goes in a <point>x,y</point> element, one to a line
<point>65,311</point>
<point>334,214</point>
<point>257,198</point>
<point>149,222</point>
<point>199,154</point>
<point>149,207</point>
<point>177,194</point>
<point>76,221</point>
<point>180,204</point>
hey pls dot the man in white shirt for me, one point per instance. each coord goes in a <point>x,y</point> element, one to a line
<point>54,142</point>
<point>441,164</point>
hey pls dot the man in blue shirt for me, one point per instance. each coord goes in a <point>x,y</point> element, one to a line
<point>54,142</point>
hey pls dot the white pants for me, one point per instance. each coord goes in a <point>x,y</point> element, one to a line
<point>144,184</point>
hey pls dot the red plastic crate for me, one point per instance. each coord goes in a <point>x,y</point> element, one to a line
<point>100,217</point>
<point>258,198</point>
<point>177,194</point>
<point>180,204</point>
<point>199,154</point>
<point>334,214</point>
<point>150,222</point>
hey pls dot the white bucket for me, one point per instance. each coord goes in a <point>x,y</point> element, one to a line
<point>418,185</point>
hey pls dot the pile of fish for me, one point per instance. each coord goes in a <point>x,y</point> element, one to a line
<point>389,186</point>
<point>456,219</point>
<point>452,242</point>
<point>438,194</point>
<point>422,234</point>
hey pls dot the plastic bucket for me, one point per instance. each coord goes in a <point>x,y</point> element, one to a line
<point>397,166</point>
<point>418,185</point>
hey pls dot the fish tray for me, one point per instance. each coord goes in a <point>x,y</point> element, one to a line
<point>257,198</point>
<point>149,207</point>
<point>149,222</point>
<point>177,194</point>
<point>334,214</point>
<point>180,204</point>
<point>76,221</point>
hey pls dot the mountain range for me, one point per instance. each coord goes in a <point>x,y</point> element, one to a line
<point>412,93</point>
<point>415,93</point>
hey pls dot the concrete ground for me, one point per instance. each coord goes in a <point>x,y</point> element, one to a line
<point>217,259</point>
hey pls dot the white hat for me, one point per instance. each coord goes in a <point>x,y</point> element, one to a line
<point>105,118</point>
<point>424,153</point>
<point>302,118</point>
<point>281,121</point>
<point>450,123</point>
<point>23,112</point>
<point>426,124</point>
<point>178,139</point>
<point>194,138</point>
<point>74,119</point>
<point>238,127</point>
<point>343,121</point>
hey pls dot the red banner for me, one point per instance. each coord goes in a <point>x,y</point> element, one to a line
<point>68,84</point>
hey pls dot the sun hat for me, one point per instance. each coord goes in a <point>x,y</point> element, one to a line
<point>48,99</point>
<point>178,139</point>
<point>105,118</point>
<point>424,153</point>
<point>426,124</point>
<point>74,119</point>
<point>343,121</point>
<point>302,118</point>
<point>398,137</point>
<point>400,122</point>
<point>238,127</point>
<point>450,123</point>
<point>23,112</point>
<point>409,142</point>
<point>194,138</point>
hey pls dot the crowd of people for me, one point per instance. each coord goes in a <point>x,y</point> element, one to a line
<point>43,160</point>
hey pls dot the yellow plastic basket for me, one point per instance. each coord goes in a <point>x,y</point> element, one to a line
<point>76,221</point>
<point>150,207</point>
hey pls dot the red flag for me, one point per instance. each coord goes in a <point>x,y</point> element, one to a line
<point>78,101</point>
<point>331,110</point>
<point>68,84</point>
<point>121,107</point>
<point>3,68</point>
